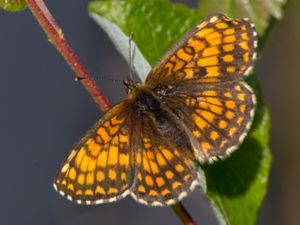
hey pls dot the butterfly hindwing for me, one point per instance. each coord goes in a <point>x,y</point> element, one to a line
<point>100,167</point>
<point>218,115</point>
<point>217,49</point>
<point>164,175</point>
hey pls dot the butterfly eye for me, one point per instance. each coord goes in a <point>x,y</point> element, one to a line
<point>129,85</point>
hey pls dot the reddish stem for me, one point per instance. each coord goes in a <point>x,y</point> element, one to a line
<point>183,214</point>
<point>56,36</point>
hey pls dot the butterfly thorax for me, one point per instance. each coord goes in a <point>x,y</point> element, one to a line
<point>146,101</point>
<point>140,94</point>
<point>149,106</point>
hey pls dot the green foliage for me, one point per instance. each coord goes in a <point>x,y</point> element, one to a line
<point>236,186</point>
<point>13,5</point>
<point>156,24</point>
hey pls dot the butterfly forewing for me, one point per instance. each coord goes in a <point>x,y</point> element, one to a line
<point>100,167</point>
<point>217,49</point>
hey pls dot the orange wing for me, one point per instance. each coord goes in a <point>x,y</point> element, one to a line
<point>218,116</point>
<point>164,174</point>
<point>217,49</point>
<point>100,167</point>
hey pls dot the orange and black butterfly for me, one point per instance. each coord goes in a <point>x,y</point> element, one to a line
<point>192,107</point>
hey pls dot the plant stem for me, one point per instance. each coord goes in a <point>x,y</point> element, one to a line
<point>56,36</point>
<point>183,214</point>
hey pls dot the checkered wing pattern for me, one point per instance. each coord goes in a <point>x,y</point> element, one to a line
<point>100,167</point>
<point>218,116</point>
<point>199,80</point>
<point>164,174</point>
<point>193,106</point>
<point>217,49</point>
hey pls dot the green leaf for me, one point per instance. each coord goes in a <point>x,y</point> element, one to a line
<point>236,186</point>
<point>13,5</point>
<point>156,25</point>
<point>260,12</point>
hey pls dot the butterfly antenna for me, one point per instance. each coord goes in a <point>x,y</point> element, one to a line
<point>99,78</point>
<point>110,79</point>
<point>130,57</point>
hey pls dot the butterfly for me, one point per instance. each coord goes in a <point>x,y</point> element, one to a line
<point>193,108</point>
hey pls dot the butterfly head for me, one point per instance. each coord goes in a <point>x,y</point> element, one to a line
<point>129,85</point>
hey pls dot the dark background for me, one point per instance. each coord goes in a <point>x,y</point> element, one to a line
<point>43,111</point>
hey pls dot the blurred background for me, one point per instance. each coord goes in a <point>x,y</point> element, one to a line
<point>43,112</point>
